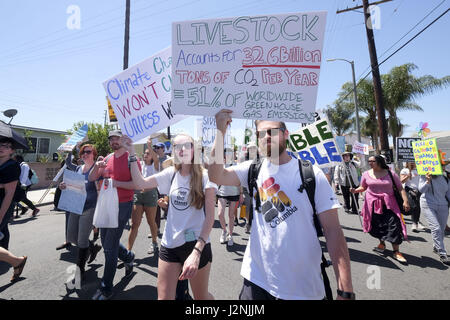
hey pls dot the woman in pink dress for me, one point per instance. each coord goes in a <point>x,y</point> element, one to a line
<point>382,217</point>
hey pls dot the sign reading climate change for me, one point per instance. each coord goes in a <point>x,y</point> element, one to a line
<point>261,67</point>
<point>140,96</point>
<point>426,155</point>
<point>316,143</point>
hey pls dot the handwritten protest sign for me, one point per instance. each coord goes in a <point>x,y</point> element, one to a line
<point>360,148</point>
<point>427,157</point>
<point>405,149</point>
<point>140,96</point>
<point>316,143</point>
<point>74,196</point>
<point>261,67</point>
<point>73,139</point>
<point>209,133</point>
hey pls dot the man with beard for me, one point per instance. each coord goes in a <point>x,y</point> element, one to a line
<point>283,256</point>
<point>116,167</point>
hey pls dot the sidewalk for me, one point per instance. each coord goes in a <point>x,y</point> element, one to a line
<point>36,195</point>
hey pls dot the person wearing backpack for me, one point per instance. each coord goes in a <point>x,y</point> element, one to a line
<point>283,256</point>
<point>26,175</point>
<point>185,251</point>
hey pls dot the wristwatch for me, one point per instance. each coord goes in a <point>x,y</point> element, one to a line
<point>132,158</point>
<point>346,295</point>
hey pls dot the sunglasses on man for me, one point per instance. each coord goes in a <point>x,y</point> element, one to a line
<point>274,132</point>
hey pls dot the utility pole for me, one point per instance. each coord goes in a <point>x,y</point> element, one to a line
<point>127,36</point>
<point>378,92</point>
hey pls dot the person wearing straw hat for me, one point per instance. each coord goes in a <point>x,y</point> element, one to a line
<point>346,176</point>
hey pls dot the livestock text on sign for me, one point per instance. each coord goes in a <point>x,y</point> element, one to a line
<point>316,143</point>
<point>260,67</point>
<point>427,157</point>
<point>141,98</point>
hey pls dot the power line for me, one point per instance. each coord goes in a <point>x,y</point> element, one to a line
<point>360,80</point>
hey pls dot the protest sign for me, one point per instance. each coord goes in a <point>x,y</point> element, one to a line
<point>111,114</point>
<point>209,130</point>
<point>360,148</point>
<point>316,143</point>
<point>427,157</point>
<point>405,149</point>
<point>73,139</point>
<point>140,96</point>
<point>74,196</point>
<point>340,141</point>
<point>260,67</point>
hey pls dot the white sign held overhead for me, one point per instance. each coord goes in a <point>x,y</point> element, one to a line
<point>141,96</point>
<point>261,67</point>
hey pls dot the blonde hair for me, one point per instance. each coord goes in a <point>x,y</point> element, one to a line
<point>196,194</point>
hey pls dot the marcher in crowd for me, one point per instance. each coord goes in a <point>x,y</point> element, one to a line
<point>116,167</point>
<point>227,195</point>
<point>435,191</point>
<point>410,180</point>
<point>382,218</point>
<point>25,183</point>
<point>80,226</point>
<point>346,176</point>
<point>146,201</point>
<point>185,246</point>
<point>283,256</point>
<point>9,187</point>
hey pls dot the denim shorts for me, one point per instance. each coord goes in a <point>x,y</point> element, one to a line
<point>180,254</point>
<point>146,199</point>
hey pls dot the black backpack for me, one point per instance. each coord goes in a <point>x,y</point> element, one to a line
<point>309,184</point>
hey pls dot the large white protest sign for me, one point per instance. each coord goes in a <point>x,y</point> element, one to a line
<point>316,143</point>
<point>78,136</point>
<point>141,98</point>
<point>261,67</point>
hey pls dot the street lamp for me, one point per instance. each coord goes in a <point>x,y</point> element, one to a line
<point>10,113</point>
<point>354,92</point>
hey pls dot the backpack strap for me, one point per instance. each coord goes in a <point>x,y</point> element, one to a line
<point>253,172</point>
<point>309,184</point>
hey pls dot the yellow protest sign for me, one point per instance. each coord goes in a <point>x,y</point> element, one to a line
<point>426,155</point>
<point>112,115</point>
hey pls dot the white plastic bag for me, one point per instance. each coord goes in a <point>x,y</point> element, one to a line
<point>106,213</point>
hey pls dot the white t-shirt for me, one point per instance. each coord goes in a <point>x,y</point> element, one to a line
<point>283,255</point>
<point>181,216</point>
<point>148,170</point>
<point>413,183</point>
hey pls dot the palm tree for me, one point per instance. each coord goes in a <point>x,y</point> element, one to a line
<point>400,90</point>
<point>340,117</point>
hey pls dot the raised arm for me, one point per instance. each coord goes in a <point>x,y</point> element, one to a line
<point>216,171</point>
<point>138,180</point>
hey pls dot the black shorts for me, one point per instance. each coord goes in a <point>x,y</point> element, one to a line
<point>251,291</point>
<point>229,198</point>
<point>180,254</point>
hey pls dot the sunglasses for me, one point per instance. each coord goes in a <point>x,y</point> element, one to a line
<point>157,147</point>
<point>274,132</point>
<point>86,152</point>
<point>187,146</point>
<point>5,145</point>
<point>371,161</point>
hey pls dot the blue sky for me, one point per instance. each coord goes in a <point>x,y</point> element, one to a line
<point>53,75</point>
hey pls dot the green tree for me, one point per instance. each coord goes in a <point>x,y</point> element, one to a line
<point>340,117</point>
<point>400,90</point>
<point>97,135</point>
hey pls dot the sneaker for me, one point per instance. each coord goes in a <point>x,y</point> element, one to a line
<point>129,266</point>
<point>380,248</point>
<point>153,248</point>
<point>399,257</point>
<point>230,240</point>
<point>102,294</point>
<point>223,237</point>
<point>444,260</point>
<point>414,227</point>
<point>35,212</point>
